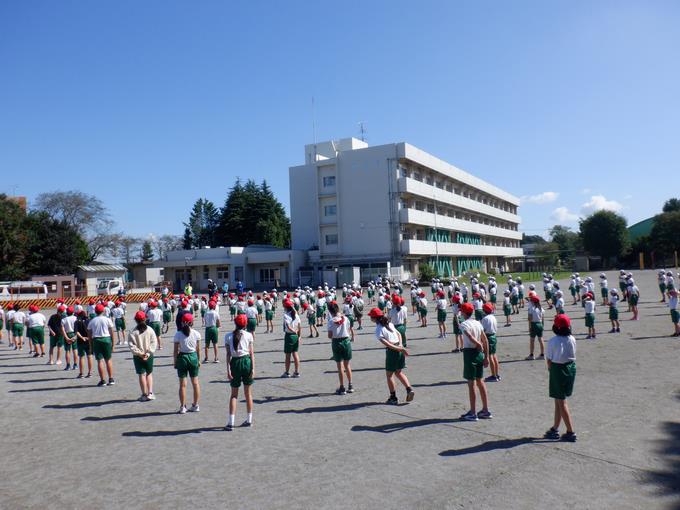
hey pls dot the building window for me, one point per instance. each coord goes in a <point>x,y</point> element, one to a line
<point>223,272</point>
<point>331,239</point>
<point>330,210</point>
<point>206,272</point>
<point>429,181</point>
<point>329,181</point>
<point>430,208</point>
<point>269,275</point>
<point>418,177</point>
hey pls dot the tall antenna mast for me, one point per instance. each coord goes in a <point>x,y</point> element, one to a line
<point>313,122</point>
<point>362,131</point>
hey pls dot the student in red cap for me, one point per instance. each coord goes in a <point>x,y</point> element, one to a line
<point>339,331</point>
<point>56,335</point>
<point>475,358</point>
<point>536,316</point>
<point>478,304</point>
<point>187,344</point>
<point>212,326</point>
<point>395,355</point>
<point>83,344</point>
<point>68,333</point>
<point>154,318</point>
<point>490,326</point>
<point>142,342</point>
<point>100,330</point>
<point>36,322</point>
<point>561,360</point>
<point>292,327</point>
<point>398,317</point>
<point>118,314</point>
<point>18,320</point>
<point>441,305</point>
<point>422,309</point>
<point>310,312</point>
<point>240,369</point>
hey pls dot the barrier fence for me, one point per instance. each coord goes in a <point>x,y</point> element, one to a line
<point>52,302</point>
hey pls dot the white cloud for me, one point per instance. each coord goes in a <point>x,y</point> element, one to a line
<point>563,215</point>
<point>599,203</point>
<point>542,198</point>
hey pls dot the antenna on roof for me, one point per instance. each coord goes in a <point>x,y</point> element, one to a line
<point>313,122</point>
<point>362,131</point>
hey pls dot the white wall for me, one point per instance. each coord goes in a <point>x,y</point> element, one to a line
<point>303,206</point>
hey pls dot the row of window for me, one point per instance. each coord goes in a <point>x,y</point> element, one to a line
<point>456,213</point>
<point>457,237</point>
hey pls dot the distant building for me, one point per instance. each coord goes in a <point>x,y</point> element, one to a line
<point>144,274</point>
<point>640,229</point>
<point>389,208</point>
<point>93,275</point>
<point>20,201</point>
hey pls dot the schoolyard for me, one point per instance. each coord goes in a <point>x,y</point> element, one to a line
<point>68,444</point>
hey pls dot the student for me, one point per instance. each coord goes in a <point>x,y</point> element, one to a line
<point>240,369</point>
<point>203,307</point>
<point>154,318</point>
<point>440,305</point>
<point>395,355</point>
<point>100,333</point>
<point>457,332</point>
<point>507,308</point>
<point>614,311</point>
<point>259,305</point>
<point>166,309</point>
<point>490,326</point>
<point>475,358</point>
<point>675,315</point>
<point>18,320</point>
<point>2,321</point>
<point>187,345</point>
<point>536,315</point>
<point>83,344</point>
<point>36,330</point>
<point>478,304</point>
<point>633,298</point>
<point>398,317</point>
<point>251,315</point>
<point>622,284</point>
<point>604,289</point>
<point>212,325</point>
<point>68,333</point>
<point>349,315</point>
<point>561,360</point>
<point>520,293</point>
<point>311,319</point>
<point>118,314</point>
<point>339,333</point>
<point>320,307</point>
<point>269,314</point>
<point>142,342</point>
<point>590,315</point>
<point>422,309</point>
<point>358,308</point>
<point>559,302</point>
<point>56,336</point>
<point>514,298</point>
<point>291,340</point>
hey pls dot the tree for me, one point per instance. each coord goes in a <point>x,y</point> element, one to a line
<point>426,272</point>
<point>534,239</point>
<point>671,205</point>
<point>166,243</point>
<point>547,254</point>
<point>567,242</point>
<point>54,246</point>
<point>202,224</point>
<point>665,233</point>
<point>604,234</point>
<point>147,252</point>
<point>187,240</point>
<point>126,248</point>
<point>13,240</point>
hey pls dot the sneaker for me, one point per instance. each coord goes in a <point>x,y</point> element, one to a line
<point>74,367</point>
<point>498,378</point>
<point>350,388</point>
<point>216,361</point>
<point>541,356</point>
<point>58,362</point>
<point>112,382</point>
<point>194,408</point>
<point>410,394</point>
<point>341,391</point>
<point>613,330</point>
<point>143,398</point>
<point>285,375</point>
<point>530,357</point>
<point>618,330</point>
<point>568,436</point>
<point>79,376</point>
<point>151,396</point>
<point>205,360</point>
<point>101,383</point>
<point>68,367</point>
<point>551,433</point>
<point>50,363</point>
<point>491,378</point>
<point>228,427</point>
<point>296,374</point>
<point>392,401</point>
<point>246,424</point>
<point>484,415</point>
<point>88,375</point>
<point>36,355</point>
<point>182,410</point>
<point>469,416</point>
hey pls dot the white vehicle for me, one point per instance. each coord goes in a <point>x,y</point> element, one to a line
<point>111,287</point>
<point>10,291</point>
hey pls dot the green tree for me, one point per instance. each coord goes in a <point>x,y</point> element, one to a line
<point>532,239</point>
<point>187,241</point>
<point>54,246</point>
<point>665,233</point>
<point>14,240</point>
<point>605,234</point>
<point>202,224</point>
<point>547,254</point>
<point>147,252</point>
<point>568,242</point>
<point>426,272</point>
<point>671,205</point>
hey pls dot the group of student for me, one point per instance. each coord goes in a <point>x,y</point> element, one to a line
<point>88,333</point>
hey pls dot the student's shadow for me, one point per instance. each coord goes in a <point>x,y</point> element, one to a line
<point>267,400</point>
<point>166,433</point>
<point>501,444</point>
<point>82,405</point>
<point>328,409</point>
<point>396,427</point>
<point>127,416</point>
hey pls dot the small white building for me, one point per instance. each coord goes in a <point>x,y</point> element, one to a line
<point>91,276</point>
<point>387,209</point>
<point>256,266</point>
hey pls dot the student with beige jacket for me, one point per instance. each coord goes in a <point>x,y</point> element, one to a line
<point>143,343</point>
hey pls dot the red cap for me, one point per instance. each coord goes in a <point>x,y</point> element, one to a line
<point>211,305</point>
<point>562,321</point>
<point>140,316</point>
<point>535,299</point>
<point>456,298</point>
<point>99,308</point>
<point>91,301</point>
<point>476,295</point>
<point>467,309</point>
<point>305,306</point>
<point>288,303</point>
<point>60,300</point>
<point>187,318</point>
<point>165,300</point>
<point>153,304</point>
<point>69,310</point>
<point>77,301</point>
<point>61,308</point>
<point>375,312</point>
<point>241,320</point>
<point>488,308</point>
<point>251,302</point>
<point>440,293</point>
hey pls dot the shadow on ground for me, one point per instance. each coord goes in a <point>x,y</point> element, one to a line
<point>83,405</point>
<point>501,444</point>
<point>166,433</point>
<point>396,427</point>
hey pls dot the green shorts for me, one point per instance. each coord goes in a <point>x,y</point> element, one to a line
<point>37,335</point>
<point>202,312</point>
<point>604,292</point>
<point>402,331</point>
<point>232,310</point>
<point>350,318</point>
<point>514,300</point>
<point>422,311</point>
<point>662,287</point>
<point>441,315</point>
<point>102,347</point>
<point>342,349</point>
<point>290,343</point>
<point>562,377</point>
<point>493,298</point>
<point>634,299</point>
<point>479,314</point>
<point>56,341</point>
<point>590,320</point>
<point>251,325</point>
<point>156,326</point>
<point>211,335</point>
<point>120,324</point>
<point>187,363</point>
<point>492,343</point>
<point>536,330</point>
<point>241,371</point>
<point>573,291</point>
<point>72,345</point>
<point>675,316</point>
<point>17,329</point>
<point>167,316</point>
<point>507,310</point>
<point>622,286</point>
<point>548,295</point>
<point>269,315</point>
<point>473,364</point>
<point>312,319</point>
<point>84,348</point>
<point>456,326</point>
<point>613,313</point>
<point>141,366</point>
<point>394,361</point>
<point>2,323</point>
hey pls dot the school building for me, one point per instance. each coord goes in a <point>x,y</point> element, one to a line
<point>386,209</point>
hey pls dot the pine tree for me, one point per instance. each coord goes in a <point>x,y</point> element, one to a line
<point>147,252</point>
<point>187,242</point>
<point>202,224</point>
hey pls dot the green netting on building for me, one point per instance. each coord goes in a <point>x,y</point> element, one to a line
<point>468,238</point>
<point>464,264</point>
<point>442,266</point>
<point>439,235</point>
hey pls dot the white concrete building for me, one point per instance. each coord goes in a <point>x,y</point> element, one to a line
<point>390,207</point>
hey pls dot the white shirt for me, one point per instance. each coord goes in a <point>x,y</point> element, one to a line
<point>472,328</point>
<point>398,317</point>
<point>36,320</point>
<point>154,315</point>
<point>100,326</point>
<point>211,318</point>
<point>251,312</point>
<point>441,304</point>
<point>117,313</point>
<point>338,326</point>
<point>19,317</point>
<point>561,349</point>
<point>391,337</point>
<point>673,302</point>
<point>536,314</point>
<point>243,347</point>
<point>489,324</point>
<point>69,323</point>
<point>590,306</point>
<point>187,343</point>
<point>613,300</point>
<point>291,325</point>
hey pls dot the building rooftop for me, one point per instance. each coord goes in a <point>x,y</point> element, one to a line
<point>102,268</point>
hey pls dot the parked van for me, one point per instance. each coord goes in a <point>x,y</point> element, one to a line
<point>111,287</point>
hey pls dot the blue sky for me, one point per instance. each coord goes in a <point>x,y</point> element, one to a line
<point>573,105</point>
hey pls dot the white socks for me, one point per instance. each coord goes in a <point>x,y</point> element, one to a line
<point>232,418</point>
<point>250,417</point>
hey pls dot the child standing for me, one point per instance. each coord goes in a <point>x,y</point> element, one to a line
<point>268,314</point>
<point>633,298</point>
<point>36,330</point>
<point>478,304</point>
<point>614,311</point>
<point>338,334</point>
<point>291,340</point>
<point>507,308</point>
<point>212,326</point>
<point>398,318</point>
<point>311,320</point>
<point>675,315</point>
<point>83,345</point>
<point>422,309</point>
<point>118,314</point>
<point>68,332</point>
<point>56,337</point>
<point>187,345</point>
<point>590,315</point>
<point>536,316</point>
<point>240,369</point>
<point>604,289</point>
<point>475,358</point>
<point>142,342</point>
<point>457,332</point>
<point>561,360</point>
<point>441,313</point>
<point>490,326</point>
